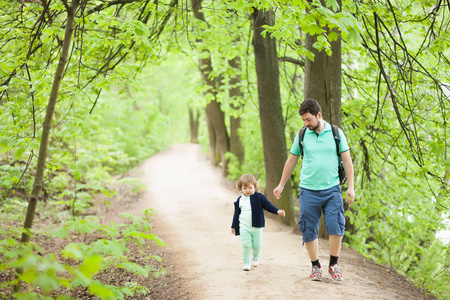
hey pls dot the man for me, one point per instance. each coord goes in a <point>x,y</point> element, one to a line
<point>319,186</point>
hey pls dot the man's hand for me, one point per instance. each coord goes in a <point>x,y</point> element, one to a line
<point>233,231</point>
<point>277,191</point>
<point>350,195</point>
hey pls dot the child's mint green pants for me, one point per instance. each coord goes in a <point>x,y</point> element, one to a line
<point>251,239</point>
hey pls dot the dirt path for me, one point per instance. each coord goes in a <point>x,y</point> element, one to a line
<point>195,208</point>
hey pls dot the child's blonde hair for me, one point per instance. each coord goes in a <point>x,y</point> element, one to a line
<point>245,180</point>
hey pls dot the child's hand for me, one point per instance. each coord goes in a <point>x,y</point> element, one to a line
<point>233,231</point>
<point>281,212</point>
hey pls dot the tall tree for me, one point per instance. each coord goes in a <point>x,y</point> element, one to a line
<point>71,9</point>
<point>37,45</point>
<point>323,76</point>
<point>236,145</point>
<point>38,178</point>
<point>323,83</point>
<point>193,124</point>
<point>215,117</point>
<point>272,126</point>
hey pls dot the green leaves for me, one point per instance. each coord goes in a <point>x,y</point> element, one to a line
<point>108,119</point>
<point>39,271</point>
<point>109,247</point>
<point>104,291</point>
<point>313,29</point>
<point>300,3</point>
<point>327,23</point>
<point>140,237</point>
<point>333,4</point>
<point>91,265</point>
<point>50,272</point>
<point>134,268</point>
<point>82,226</point>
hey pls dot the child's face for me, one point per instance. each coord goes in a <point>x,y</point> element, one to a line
<point>248,189</point>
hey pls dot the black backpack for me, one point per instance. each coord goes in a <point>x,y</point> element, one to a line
<point>341,169</point>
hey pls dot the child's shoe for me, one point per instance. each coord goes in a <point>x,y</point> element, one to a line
<point>246,267</point>
<point>255,262</point>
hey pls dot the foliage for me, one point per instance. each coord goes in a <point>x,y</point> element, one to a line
<point>87,149</point>
<point>395,63</point>
<point>399,145</point>
<point>327,22</point>
<point>111,43</point>
<point>102,44</point>
<point>394,104</point>
<point>105,248</point>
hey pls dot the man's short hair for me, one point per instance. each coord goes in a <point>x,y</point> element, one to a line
<point>311,106</point>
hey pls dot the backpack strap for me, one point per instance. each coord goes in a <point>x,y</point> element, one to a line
<point>301,134</point>
<point>337,139</point>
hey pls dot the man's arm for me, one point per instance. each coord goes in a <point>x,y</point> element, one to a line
<point>348,166</point>
<point>289,167</point>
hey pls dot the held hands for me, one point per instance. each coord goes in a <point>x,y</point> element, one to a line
<point>281,212</point>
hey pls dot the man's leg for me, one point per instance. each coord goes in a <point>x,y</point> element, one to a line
<point>335,244</point>
<point>313,249</point>
<point>313,252</point>
<point>311,211</point>
<point>335,249</point>
<point>335,222</point>
<point>333,212</point>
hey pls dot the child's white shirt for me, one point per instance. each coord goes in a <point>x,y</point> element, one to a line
<point>245,218</point>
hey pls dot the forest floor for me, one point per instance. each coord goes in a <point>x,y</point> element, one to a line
<point>203,259</point>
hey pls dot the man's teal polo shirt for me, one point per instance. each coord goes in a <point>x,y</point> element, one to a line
<point>320,161</point>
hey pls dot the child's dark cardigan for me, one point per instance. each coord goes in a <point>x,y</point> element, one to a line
<point>258,202</point>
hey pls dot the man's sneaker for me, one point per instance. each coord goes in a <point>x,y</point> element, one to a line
<point>316,273</point>
<point>335,272</point>
<point>255,262</point>
<point>246,267</point>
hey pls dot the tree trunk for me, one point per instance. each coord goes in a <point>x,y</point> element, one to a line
<point>41,164</point>
<point>323,80</point>
<point>323,83</point>
<point>236,145</point>
<point>38,178</point>
<point>270,111</point>
<point>193,125</point>
<point>215,118</point>
<point>213,153</point>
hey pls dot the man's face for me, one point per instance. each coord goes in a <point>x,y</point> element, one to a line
<point>311,121</point>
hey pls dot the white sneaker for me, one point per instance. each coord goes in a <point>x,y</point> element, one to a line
<point>255,262</point>
<point>246,267</point>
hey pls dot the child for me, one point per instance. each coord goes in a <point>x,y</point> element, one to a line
<point>248,219</point>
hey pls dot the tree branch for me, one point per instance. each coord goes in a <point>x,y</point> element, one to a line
<point>292,60</point>
<point>66,5</point>
<point>109,4</point>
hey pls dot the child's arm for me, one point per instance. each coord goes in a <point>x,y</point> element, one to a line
<point>267,205</point>
<point>235,224</point>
